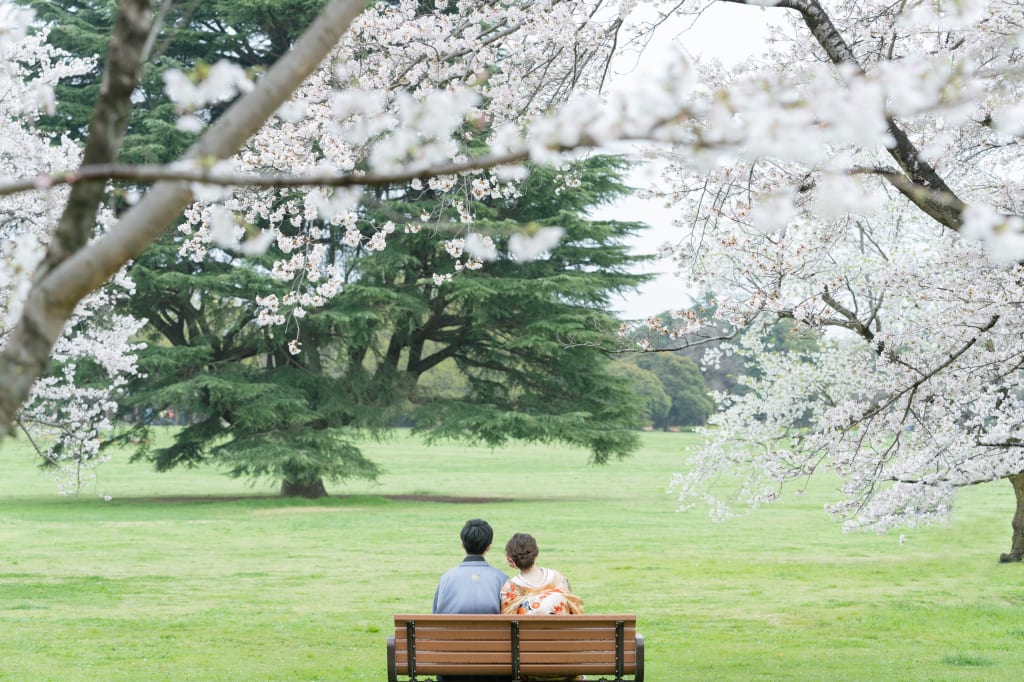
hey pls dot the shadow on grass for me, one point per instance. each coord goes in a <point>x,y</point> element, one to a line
<point>967,660</point>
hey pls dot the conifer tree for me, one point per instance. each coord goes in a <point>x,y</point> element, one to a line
<point>522,335</point>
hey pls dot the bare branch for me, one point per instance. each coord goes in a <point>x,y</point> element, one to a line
<point>201,171</point>
<point>851,322</point>
<point>176,173</point>
<point>43,454</point>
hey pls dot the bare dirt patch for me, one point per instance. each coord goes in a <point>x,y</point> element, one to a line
<point>449,499</point>
<point>208,499</point>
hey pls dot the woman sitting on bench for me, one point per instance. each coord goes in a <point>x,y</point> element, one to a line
<point>535,591</point>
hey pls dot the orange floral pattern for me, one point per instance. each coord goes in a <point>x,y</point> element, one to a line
<point>553,597</point>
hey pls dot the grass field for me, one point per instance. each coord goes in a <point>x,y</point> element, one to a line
<point>193,576</point>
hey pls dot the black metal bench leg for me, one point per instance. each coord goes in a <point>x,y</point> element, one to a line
<point>392,665</point>
<point>515,650</point>
<point>639,677</point>
<point>410,641</point>
<point>620,650</point>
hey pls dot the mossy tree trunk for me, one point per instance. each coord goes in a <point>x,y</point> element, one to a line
<point>1016,552</point>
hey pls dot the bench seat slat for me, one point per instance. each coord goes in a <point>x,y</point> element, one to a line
<point>526,638</point>
<point>531,636</point>
<point>456,659</point>
<point>574,659</point>
<point>464,669</point>
<point>427,634</point>
<point>525,652</point>
<point>535,655</point>
<point>568,645</point>
<point>537,670</point>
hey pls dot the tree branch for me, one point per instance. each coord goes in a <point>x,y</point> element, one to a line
<point>926,376</point>
<point>917,172</point>
<point>28,349</point>
<point>917,193</point>
<point>149,174</point>
<point>106,128</point>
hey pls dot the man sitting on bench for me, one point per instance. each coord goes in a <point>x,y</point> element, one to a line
<point>474,586</point>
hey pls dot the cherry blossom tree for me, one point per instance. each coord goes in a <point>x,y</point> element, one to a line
<point>77,261</point>
<point>862,177</point>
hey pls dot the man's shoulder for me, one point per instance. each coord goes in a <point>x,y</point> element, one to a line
<point>481,568</point>
<point>497,573</point>
<point>454,569</point>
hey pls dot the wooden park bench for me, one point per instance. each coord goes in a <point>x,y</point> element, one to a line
<point>515,647</point>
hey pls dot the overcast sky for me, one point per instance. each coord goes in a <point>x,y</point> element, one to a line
<point>726,31</point>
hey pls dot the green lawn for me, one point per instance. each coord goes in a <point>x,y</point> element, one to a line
<point>193,576</point>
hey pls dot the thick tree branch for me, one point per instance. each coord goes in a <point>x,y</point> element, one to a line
<point>913,191</point>
<point>918,173</point>
<point>28,349</point>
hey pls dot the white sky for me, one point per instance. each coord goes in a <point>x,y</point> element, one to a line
<point>725,31</point>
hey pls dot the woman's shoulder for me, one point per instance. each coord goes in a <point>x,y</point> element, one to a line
<point>554,575</point>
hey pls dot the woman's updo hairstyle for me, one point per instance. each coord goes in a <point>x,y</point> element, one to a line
<point>522,549</point>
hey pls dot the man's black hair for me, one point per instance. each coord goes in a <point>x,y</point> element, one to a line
<point>476,536</point>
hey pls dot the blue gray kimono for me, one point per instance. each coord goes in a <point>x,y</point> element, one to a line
<point>474,586</point>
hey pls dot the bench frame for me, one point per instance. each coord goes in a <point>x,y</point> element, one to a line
<point>406,625</point>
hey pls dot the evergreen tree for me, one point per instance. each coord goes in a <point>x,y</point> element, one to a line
<point>524,336</point>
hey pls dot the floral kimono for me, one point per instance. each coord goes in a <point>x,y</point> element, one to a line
<point>552,596</point>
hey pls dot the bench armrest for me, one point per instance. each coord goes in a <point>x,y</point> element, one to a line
<point>639,677</point>
<point>392,666</point>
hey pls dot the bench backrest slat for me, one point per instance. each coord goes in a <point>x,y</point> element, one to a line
<point>548,645</point>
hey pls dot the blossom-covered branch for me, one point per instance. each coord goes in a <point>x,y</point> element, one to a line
<point>53,297</point>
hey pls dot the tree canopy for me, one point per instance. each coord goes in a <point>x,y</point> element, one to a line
<point>681,380</point>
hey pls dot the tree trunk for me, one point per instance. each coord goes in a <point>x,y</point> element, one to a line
<point>1016,552</point>
<point>310,490</point>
